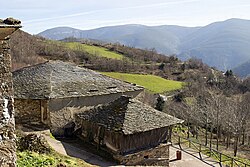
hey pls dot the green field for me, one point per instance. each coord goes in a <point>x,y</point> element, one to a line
<point>94,50</point>
<point>152,83</point>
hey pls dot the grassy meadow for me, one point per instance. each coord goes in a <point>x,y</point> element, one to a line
<point>152,83</point>
<point>94,50</point>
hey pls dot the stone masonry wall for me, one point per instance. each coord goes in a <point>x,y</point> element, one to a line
<point>158,156</point>
<point>7,122</point>
<point>27,111</point>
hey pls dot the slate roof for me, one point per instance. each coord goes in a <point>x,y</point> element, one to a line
<point>128,116</point>
<point>57,79</point>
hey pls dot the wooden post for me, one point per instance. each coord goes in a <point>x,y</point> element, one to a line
<point>179,140</point>
<point>220,159</point>
<point>211,137</point>
<point>170,133</point>
<point>236,139</point>
<point>200,151</point>
<point>206,135</point>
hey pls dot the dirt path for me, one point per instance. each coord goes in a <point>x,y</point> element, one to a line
<point>77,152</point>
<point>190,158</point>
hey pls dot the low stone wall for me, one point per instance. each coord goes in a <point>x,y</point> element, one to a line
<point>158,156</point>
<point>27,111</point>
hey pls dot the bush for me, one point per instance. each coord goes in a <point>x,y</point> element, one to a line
<point>33,142</point>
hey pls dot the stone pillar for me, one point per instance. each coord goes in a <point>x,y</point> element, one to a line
<point>7,122</point>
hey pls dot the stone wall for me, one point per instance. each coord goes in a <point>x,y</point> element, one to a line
<point>27,111</point>
<point>7,122</point>
<point>63,119</point>
<point>158,156</point>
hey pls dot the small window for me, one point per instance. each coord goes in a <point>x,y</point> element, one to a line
<point>93,90</point>
<point>111,87</point>
<point>146,157</point>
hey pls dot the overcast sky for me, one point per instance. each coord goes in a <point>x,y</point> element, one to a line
<point>39,15</point>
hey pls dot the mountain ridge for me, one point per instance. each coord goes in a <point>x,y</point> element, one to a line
<point>222,44</point>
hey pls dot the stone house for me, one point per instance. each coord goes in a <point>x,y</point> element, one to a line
<point>52,92</point>
<point>134,133</point>
<point>7,122</point>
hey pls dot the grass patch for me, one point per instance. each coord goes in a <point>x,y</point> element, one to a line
<point>152,83</point>
<point>94,50</point>
<point>32,159</point>
<point>51,136</point>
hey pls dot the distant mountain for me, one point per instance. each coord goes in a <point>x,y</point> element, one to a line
<point>224,45</point>
<point>243,70</point>
<point>165,39</point>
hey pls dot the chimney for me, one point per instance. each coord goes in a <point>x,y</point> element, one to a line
<point>7,122</point>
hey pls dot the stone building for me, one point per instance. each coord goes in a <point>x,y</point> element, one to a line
<point>52,92</point>
<point>7,122</point>
<point>134,133</point>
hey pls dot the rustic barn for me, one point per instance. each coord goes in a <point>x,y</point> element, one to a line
<point>133,132</point>
<point>52,92</point>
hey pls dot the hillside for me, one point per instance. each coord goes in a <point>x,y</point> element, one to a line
<point>243,70</point>
<point>164,39</point>
<point>222,44</point>
<point>105,57</point>
<point>29,50</point>
<point>94,50</point>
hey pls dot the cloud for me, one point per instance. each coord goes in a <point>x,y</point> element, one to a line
<point>110,9</point>
<point>61,17</point>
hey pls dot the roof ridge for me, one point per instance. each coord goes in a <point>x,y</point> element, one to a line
<point>34,65</point>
